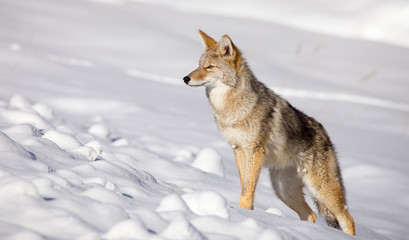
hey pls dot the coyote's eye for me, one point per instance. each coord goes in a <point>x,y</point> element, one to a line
<point>210,67</point>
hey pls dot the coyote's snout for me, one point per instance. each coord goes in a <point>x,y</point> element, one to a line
<point>265,130</point>
<point>186,79</point>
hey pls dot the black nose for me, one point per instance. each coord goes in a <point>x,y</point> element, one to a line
<point>186,79</point>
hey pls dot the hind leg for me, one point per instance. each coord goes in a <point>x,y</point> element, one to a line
<point>325,184</point>
<point>328,215</point>
<point>331,203</point>
<point>288,187</point>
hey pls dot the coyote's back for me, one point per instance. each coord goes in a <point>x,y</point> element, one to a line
<point>265,130</point>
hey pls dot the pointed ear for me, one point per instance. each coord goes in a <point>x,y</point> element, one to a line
<point>208,42</point>
<point>226,47</point>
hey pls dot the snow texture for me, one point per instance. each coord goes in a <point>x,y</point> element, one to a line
<point>101,139</point>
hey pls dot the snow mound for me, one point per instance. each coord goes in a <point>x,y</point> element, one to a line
<point>63,140</point>
<point>210,161</point>
<point>172,202</point>
<point>186,154</point>
<point>103,195</point>
<point>20,110</point>
<point>88,152</point>
<point>205,203</point>
<point>128,229</point>
<point>25,116</point>
<point>20,102</point>
<point>70,143</point>
<point>269,234</point>
<point>181,229</point>
<point>95,145</point>
<point>275,211</point>
<point>10,186</point>
<point>44,111</point>
<point>100,130</point>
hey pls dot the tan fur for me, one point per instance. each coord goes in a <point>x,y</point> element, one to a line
<point>265,130</point>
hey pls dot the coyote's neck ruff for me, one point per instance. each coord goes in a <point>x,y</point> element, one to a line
<point>265,130</point>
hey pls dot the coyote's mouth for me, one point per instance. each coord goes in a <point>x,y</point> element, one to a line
<point>197,85</point>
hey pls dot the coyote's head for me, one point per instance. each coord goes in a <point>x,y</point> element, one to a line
<point>217,65</point>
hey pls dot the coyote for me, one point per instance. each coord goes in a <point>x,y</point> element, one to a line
<point>265,130</point>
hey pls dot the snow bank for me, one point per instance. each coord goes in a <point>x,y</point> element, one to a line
<point>70,181</point>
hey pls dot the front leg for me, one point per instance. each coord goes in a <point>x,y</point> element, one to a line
<point>249,163</point>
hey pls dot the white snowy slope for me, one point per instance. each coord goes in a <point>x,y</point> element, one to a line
<point>100,139</point>
<point>374,20</point>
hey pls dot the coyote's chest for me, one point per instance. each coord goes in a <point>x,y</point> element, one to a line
<point>231,113</point>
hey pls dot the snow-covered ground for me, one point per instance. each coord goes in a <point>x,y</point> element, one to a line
<point>99,138</point>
